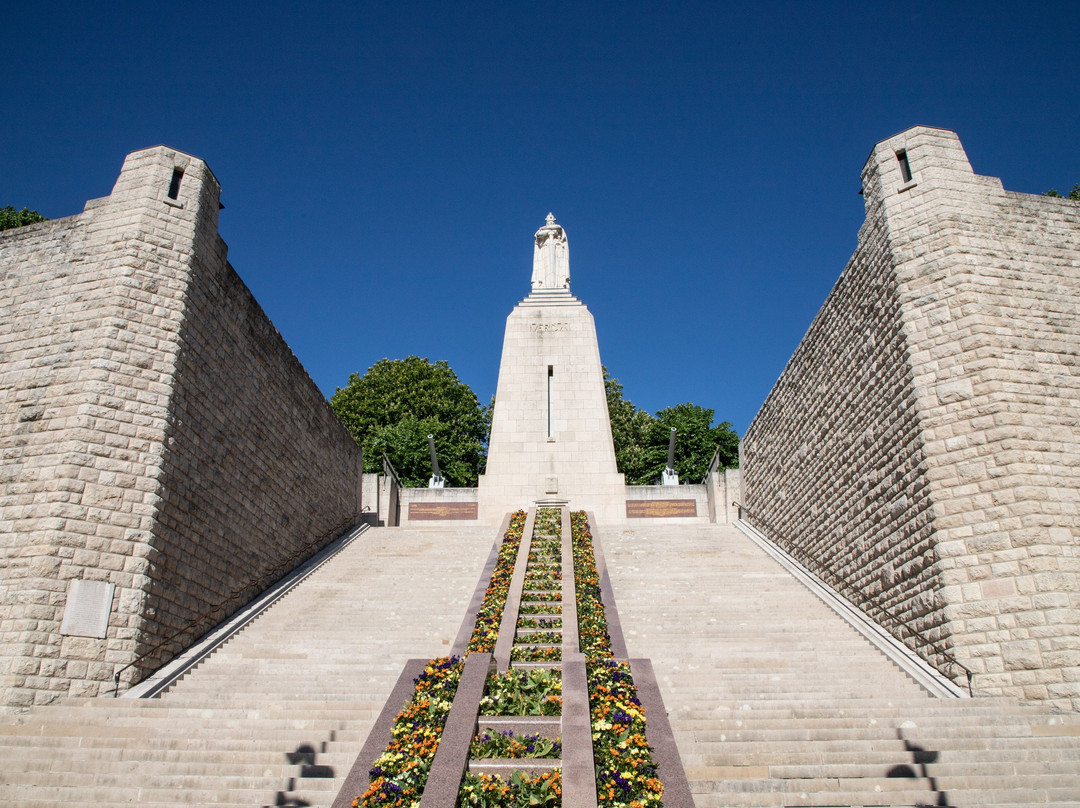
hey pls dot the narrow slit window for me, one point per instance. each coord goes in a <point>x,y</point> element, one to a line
<point>174,185</point>
<point>905,166</point>
<point>550,414</point>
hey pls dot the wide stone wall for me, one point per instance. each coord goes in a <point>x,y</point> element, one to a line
<point>922,445</point>
<point>160,447</point>
<point>833,465</point>
<point>990,284</point>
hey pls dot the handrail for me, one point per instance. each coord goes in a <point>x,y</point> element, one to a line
<point>260,583</point>
<point>901,628</point>
<point>390,471</point>
<point>714,464</point>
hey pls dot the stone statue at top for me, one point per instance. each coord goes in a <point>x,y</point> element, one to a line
<point>551,258</point>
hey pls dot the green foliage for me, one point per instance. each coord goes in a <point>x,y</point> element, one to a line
<point>509,745</point>
<point>11,218</point>
<point>631,430</point>
<point>523,692</point>
<point>1073,194</point>
<point>399,402</point>
<point>641,440</point>
<point>488,414</point>
<point>696,440</point>
<point>523,791</point>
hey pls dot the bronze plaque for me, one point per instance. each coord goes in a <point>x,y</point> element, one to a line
<point>655,508</point>
<point>420,511</point>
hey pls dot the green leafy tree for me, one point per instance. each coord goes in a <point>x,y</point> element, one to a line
<point>1073,194</point>
<point>630,431</point>
<point>696,441</point>
<point>11,218</point>
<point>489,415</point>
<point>399,402</point>
<point>641,439</point>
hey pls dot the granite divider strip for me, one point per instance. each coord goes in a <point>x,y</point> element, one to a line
<point>607,595</point>
<point>508,625</point>
<point>461,642</point>
<point>578,771</point>
<point>452,756</point>
<point>669,767</point>
<point>357,780</point>
<point>570,638</point>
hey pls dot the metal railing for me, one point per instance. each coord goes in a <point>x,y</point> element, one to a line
<point>259,584</point>
<point>388,470</point>
<point>896,625</point>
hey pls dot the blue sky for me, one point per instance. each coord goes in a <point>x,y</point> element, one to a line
<point>384,165</point>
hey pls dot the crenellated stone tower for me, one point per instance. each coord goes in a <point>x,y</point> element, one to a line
<point>551,435</point>
<point>163,454</point>
<point>921,449</point>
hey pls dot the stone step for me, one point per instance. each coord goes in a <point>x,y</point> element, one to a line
<point>504,767</point>
<point>151,766</point>
<point>774,700</point>
<point>799,755</point>
<point>1011,798</point>
<point>919,714</point>
<point>166,796</point>
<point>743,752</point>
<point>272,747</point>
<point>985,771</point>
<point>314,670</point>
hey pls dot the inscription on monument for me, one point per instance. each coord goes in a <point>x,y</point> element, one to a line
<point>87,611</point>
<point>544,327</point>
<point>658,508</point>
<point>424,511</point>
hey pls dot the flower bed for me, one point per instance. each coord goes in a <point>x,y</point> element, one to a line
<point>399,773</point>
<point>538,622</point>
<point>625,772</point>
<point>552,596</point>
<point>540,638</point>
<point>486,631</point>
<point>536,653</point>
<point>491,791</point>
<point>489,744</point>
<point>533,692</point>
<point>545,575</point>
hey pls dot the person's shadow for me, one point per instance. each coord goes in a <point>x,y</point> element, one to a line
<point>920,757</point>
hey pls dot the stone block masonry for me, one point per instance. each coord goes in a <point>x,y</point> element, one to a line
<point>156,432</point>
<point>923,442</point>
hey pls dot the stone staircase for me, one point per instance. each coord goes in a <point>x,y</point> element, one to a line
<point>775,701</point>
<point>277,715</point>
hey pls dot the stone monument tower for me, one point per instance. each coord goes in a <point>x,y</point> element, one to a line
<point>550,435</point>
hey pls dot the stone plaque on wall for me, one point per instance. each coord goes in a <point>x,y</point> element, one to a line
<point>86,613</point>
<point>422,511</point>
<point>658,508</point>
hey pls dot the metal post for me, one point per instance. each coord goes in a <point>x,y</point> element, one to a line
<point>436,480</point>
<point>669,477</point>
